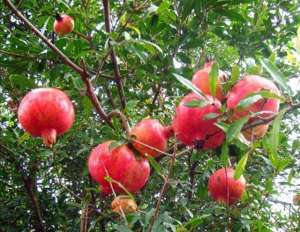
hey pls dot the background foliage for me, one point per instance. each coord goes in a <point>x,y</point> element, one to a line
<point>152,39</point>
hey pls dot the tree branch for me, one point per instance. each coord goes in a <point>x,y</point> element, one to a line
<point>113,56</point>
<point>270,119</point>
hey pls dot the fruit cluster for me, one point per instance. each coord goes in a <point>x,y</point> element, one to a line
<point>48,112</point>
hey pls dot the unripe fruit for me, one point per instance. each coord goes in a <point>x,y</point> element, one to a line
<point>224,188</point>
<point>120,165</point>
<point>46,113</point>
<point>63,24</point>
<point>201,81</point>
<point>249,85</point>
<point>123,204</point>
<point>192,127</point>
<point>151,133</point>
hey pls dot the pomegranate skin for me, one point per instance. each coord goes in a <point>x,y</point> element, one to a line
<point>152,133</point>
<point>226,190</point>
<point>46,112</point>
<point>191,127</point>
<point>201,81</point>
<point>248,85</point>
<point>121,165</point>
<point>63,25</point>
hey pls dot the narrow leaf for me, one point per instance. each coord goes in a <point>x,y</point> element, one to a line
<point>241,166</point>
<point>213,78</point>
<point>248,101</point>
<point>224,155</point>
<point>275,73</point>
<point>196,103</point>
<point>155,165</point>
<point>274,136</point>
<point>188,84</point>
<point>210,116</point>
<point>235,128</point>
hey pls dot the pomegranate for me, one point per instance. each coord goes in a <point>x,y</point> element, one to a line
<point>46,113</point>
<point>123,204</point>
<point>63,24</point>
<point>192,127</point>
<point>224,188</point>
<point>201,81</point>
<point>248,85</point>
<point>119,164</point>
<point>151,133</point>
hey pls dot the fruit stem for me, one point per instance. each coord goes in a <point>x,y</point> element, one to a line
<point>49,137</point>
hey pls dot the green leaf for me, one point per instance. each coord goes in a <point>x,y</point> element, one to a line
<point>275,74</point>
<point>213,78</point>
<point>224,158</point>
<point>248,101</point>
<point>239,169</point>
<point>210,116</point>
<point>155,165</point>
<point>235,128</point>
<point>273,140</point>
<point>23,138</point>
<point>196,103</point>
<point>115,144</point>
<point>188,84</point>
<point>194,222</point>
<point>251,98</point>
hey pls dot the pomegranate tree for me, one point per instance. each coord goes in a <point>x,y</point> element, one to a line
<point>151,133</point>
<point>46,113</point>
<point>201,81</point>
<point>224,188</point>
<point>192,125</point>
<point>248,85</point>
<point>120,165</point>
<point>63,24</point>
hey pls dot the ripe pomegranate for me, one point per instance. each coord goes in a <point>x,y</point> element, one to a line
<point>192,128</point>
<point>63,24</point>
<point>201,80</point>
<point>248,85</point>
<point>152,133</point>
<point>46,113</point>
<point>123,203</point>
<point>224,188</point>
<point>121,165</point>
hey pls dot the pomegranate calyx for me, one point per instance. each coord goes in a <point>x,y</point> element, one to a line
<point>168,131</point>
<point>49,137</point>
<point>58,17</point>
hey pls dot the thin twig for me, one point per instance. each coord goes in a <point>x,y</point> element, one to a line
<point>125,124</point>
<point>270,119</point>
<point>113,56</point>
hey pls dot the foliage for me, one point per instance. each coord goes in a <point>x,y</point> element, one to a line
<point>155,42</point>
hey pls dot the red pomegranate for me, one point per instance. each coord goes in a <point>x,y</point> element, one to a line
<point>63,24</point>
<point>248,85</point>
<point>151,133</point>
<point>46,113</point>
<point>193,128</point>
<point>121,165</point>
<point>224,188</point>
<point>201,80</point>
